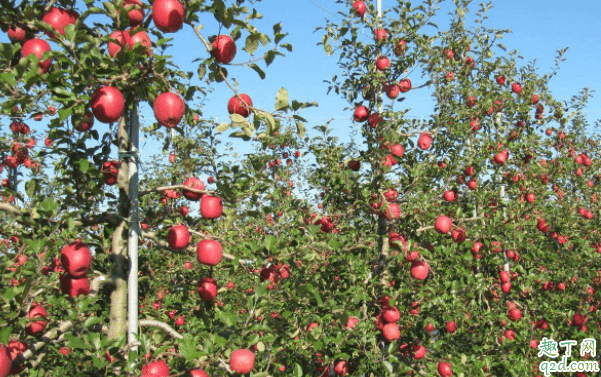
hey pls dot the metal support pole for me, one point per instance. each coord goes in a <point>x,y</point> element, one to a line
<point>134,230</point>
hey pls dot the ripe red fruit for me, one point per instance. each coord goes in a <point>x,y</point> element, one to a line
<point>5,362</point>
<point>83,122</point>
<point>392,90</point>
<point>443,224</point>
<point>444,369</point>
<point>359,8</point>
<point>382,63</point>
<point>392,211</point>
<point>419,270</point>
<point>341,368</point>
<point>451,326</point>
<point>391,332</point>
<point>211,207</point>
<point>391,314</point>
<point>74,286</point>
<point>110,170</point>
<point>223,49</point>
<point>178,237</point>
<point>429,327</point>
<point>242,361</point>
<point>501,157</point>
<point>209,252</point>
<point>530,197</point>
<point>198,373</point>
<point>354,165</point>
<point>472,184</point>
<point>424,141</point>
<point>184,211</point>
<point>37,47</point>
<point>169,109</point>
<point>16,34</point>
<point>196,184</point>
<point>380,35</point>
<point>240,104</point>
<point>113,47</point>
<point>207,288</point>
<point>38,326</point>
<point>500,80</point>
<point>449,195</point>
<point>58,18</point>
<point>516,88</point>
<point>405,85</point>
<point>157,368</point>
<point>399,49</point>
<point>133,37</point>
<point>168,15</point>
<point>136,16</point>
<point>76,259</point>
<point>419,352</point>
<point>352,322</point>
<point>107,104</point>
<point>361,114</point>
<point>458,235</point>
<point>514,314</point>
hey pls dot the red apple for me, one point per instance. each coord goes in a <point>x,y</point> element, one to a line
<point>400,47</point>
<point>419,270</point>
<point>391,332</point>
<point>352,322</point>
<point>382,63</point>
<point>424,141</point>
<point>83,122</point>
<point>361,114</point>
<point>391,314</point>
<point>444,369</point>
<point>405,85</point>
<point>449,195</point>
<point>16,34</point>
<point>198,373</point>
<point>196,184</point>
<point>392,211</point>
<point>113,47</point>
<point>500,80</point>
<point>419,352</point>
<point>37,312</point>
<point>380,35</point>
<point>74,286</point>
<point>5,362</point>
<point>157,368</point>
<point>341,368</point>
<point>359,8</point>
<point>184,210</point>
<point>514,314</point>
<point>110,170</point>
<point>472,184</point>
<point>169,109</point>
<point>242,361</point>
<point>107,104</point>
<point>443,224</point>
<point>134,37</point>
<point>14,349</point>
<point>37,47</point>
<point>451,327</point>
<point>211,207</point>
<point>397,150</point>
<point>58,18</point>
<point>76,259</point>
<point>392,90</point>
<point>178,237</point>
<point>240,104</point>
<point>168,15</point>
<point>136,16</point>
<point>501,157</point>
<point>223,49</point>
<point>516,88</point>
<point>209,252</point>
<point>354,165</point>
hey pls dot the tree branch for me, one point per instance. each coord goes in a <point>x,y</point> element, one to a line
<point>162,325</point>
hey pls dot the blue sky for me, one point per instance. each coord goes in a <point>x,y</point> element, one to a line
<point>539,28</point>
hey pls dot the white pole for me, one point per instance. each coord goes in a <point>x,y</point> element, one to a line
<point>134,230</point>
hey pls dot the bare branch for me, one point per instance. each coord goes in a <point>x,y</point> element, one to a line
<point>163,326</point>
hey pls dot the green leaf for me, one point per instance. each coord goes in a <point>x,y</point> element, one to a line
<point>188,348</point>
<point>237,118</point>
<point>5,334</point>
<point>387,366</point>
<point>259,71</point>
<point>298,370</point>
<point>222,127</point>
<point>269,242</point>
<point>31,187</point>
<point>36,246</point>
<point>281,99</point>
<point>61,92</point>
<point>315,294</point>
<point>47,205</point>
<point>9,78</point>
<point>300,128</point>
<point>252,43</point>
